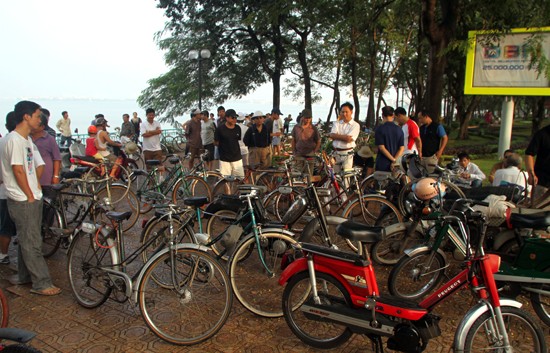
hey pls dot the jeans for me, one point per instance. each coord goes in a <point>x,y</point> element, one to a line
<point>31,264</point>
<point>65,139</point>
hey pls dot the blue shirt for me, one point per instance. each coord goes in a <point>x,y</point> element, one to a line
<point>391,136</point>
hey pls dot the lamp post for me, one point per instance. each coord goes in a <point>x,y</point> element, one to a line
<point>199,55</point>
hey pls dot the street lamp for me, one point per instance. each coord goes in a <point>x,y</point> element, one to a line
<point>199,55</point>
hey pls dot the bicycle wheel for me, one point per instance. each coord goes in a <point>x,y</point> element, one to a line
<point>523,333</point>
<point>311,330</point>
<point>211,177</point>
<point>217,224</point>
<point>129,202</point>
<point>196,306</point>
<point>414,277</point>
<point>282,203</point>
<point>373,210</point>
<point>227,186</point>
<point>4,310</point>
<point>389,250</point>
<point>157,231</point>
<point>255,288</point>
<point>91,285</point>
<point>52,223</point>
<point>541,302</point>
<point>188,187</point>
<point>272,180</point>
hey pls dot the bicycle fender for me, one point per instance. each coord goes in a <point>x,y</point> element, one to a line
<point>422,248</point>
<point>278,230</point>
<point>471,316</point>
<point>403,226</point>
<point>159,254</point>
<point>295,267</point>
<point>140,172</point>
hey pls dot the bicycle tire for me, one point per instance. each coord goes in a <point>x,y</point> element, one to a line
<point>323,334</point>
<point>129,202</point>
<point>190,186</point>
<point>194,315</point>
<point>161,226</point>
<point>211,177</point>
<point>4,310</point>
<point>91,286</point>
<point>217,224</point>
<point>406,279</point>
<point>528,337</point>
<point>255,289</point>
<point>227,187</point>
<point>541,302</point>
<point>283,202</point>
<point>51,218</point>
<point>272,180</point>
<point>100,180</point>
<point>387,251</point>
<point>20,348</point>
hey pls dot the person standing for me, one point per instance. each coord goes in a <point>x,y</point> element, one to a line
<point>49,151</point>
<point>219,121</point>
<point>258,141</point>
<point>434,139</point>
<point>227,138</point>
<point>411,132</point>
<point>151,132</point>
<point>241,122</point>
<point>276,131</point>
<point>20,173</point>
<point>64,126</point>
<point>49,129</point>
<point>127,130</point>
<point>208,129</point>
<point>344,133</point>
<point>388,137</point>
<point>7,227</point>
<point>539,169</point>
<point>286,125</point>
<point>306,141</point>
<point>136,121</point>
<point>193,135</point>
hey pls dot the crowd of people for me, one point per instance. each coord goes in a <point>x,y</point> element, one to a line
<point>31,161</point>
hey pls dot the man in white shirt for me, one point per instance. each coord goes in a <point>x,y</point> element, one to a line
<point>511,174</point>
<point>469,173</point>
<point>64,126</point>
<point>344,133</point>
<point>21,172</point>
<point>150,132</point>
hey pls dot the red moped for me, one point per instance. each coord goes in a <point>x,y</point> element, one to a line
<point>330,295</point>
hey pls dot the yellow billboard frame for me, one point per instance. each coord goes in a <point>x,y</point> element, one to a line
<point>495,91</point>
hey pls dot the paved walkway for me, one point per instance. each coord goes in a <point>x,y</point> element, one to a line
<point>64,326</point>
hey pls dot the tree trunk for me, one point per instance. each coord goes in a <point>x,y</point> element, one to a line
<point>276,81</point>
<point>353,68</point>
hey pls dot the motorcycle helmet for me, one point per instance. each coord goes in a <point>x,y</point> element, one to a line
<point>131,148</point>
<point>428,188</point>
<point>92,129</point>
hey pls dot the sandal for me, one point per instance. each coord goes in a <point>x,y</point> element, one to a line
<point>47,291</point>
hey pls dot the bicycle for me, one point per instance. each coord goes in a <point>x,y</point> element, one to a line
<point>150,189</point>
<point>76,202</point>
<point>172,288</point>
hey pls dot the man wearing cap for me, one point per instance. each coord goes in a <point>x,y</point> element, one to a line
<point>64,126</point>
<point>208,128</point>
<point>193,135</point>
<point>276,130</point>
<point>103,140</point>
<point>150,132</point>
<point>227,138</point>
<point>306,141</point>
<point>258,141</point>
<point>389,140</point>
<point>344,133</point>
<point>411,132</point>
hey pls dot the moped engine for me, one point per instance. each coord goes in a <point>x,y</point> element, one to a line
<point>405,339</point>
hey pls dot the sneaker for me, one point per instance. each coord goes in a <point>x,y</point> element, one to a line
<point>4,259</point>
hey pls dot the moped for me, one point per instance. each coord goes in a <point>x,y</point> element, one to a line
<point>529,270</point>
<point>330,295</point>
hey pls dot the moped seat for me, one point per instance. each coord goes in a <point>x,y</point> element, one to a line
<point>88,159</point>
<point>196,201</point>
<point>153,162</point>
<point>537,220</point>
<point>359,232</point>
<point>119,216</point>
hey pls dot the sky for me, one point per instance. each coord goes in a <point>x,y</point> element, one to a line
<point>79,49</point>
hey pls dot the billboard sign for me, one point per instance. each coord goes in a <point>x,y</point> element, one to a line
<point>500,65</point>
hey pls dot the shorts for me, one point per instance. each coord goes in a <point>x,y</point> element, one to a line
<point>153,155</point>
<point>210,148</point>
<point>195,153</point>
<point>232,168</point>
<point>276,140</point>
<point>7,227</point>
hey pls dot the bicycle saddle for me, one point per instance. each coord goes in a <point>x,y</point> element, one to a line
<point>152,162</point>
<point>119,216</point>
<point>196,201</point>
<point>527,218</point>
<point>359,232</point>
